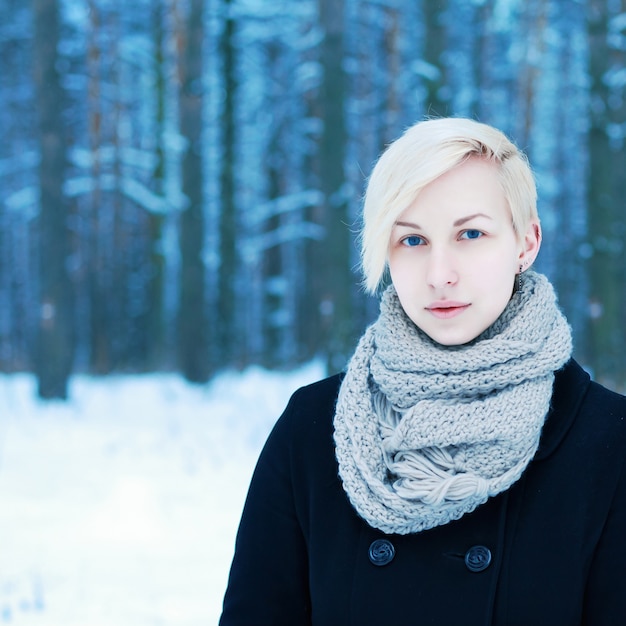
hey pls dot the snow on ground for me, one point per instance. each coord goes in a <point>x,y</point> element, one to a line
<point>120,507</point>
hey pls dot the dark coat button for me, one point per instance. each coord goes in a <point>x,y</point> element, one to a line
<point>477,558</point>
<point>381,552</point>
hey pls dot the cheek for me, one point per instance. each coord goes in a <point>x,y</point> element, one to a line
<point>404,276</point>
<point>499,266</point>
<point>396,267</point>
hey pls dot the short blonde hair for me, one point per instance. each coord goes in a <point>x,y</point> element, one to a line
<point>421,154</point>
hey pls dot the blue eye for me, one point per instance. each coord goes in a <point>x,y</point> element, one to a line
<point>471,234</point>
<point>412,240</point>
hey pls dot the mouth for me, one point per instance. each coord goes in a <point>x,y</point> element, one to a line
<point>446,310</point>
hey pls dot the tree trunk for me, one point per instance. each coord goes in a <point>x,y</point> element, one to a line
<point>607,225</point>
<point>437,103</point>
<point>225,352</point>
<point>54,353</point>
<point>154,317</point>
<point>337,281</point>
<point>192,323</point>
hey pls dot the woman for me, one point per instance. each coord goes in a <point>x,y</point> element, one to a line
<point>464,469</point>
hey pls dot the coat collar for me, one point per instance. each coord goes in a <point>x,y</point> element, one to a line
<point>570,387</point>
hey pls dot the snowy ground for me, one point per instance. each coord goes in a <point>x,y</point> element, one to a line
<point>120,507</point>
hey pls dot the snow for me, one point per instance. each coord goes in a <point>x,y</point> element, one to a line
<point>121,506</point>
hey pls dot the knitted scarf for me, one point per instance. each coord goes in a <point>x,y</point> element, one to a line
<point>425,433</point>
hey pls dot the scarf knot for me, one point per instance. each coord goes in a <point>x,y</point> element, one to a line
<point>425,433</point>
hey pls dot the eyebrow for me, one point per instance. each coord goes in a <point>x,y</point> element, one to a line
<point>459,222</point>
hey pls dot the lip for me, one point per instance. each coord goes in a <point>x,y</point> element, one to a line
<point>445,309</point>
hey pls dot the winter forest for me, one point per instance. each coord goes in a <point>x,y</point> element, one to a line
<point>181,180</point>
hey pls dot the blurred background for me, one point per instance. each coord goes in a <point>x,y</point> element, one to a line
<point>181,180</point>
<point>180,189</point>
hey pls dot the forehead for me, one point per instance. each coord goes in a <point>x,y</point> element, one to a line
<point>472,187</point>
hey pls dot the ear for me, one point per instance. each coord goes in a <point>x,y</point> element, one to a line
<point>529,248</point>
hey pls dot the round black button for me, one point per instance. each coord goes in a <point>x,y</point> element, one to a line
<point>477,558</point>
<point>381,552</point>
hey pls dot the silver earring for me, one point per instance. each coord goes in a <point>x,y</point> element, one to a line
<point>517,285</point>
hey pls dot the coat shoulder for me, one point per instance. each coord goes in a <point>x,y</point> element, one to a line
<point>315,401</point>
<point>605,411</point>
<point>326,388</point>
<point>583,408</point>
<point>307,421</point>
<point>607,400</point>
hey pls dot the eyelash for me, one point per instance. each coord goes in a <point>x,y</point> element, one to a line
<point>405,240</point>
<point>472,230</point>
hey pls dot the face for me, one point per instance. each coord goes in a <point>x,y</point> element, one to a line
<point>453,254</point>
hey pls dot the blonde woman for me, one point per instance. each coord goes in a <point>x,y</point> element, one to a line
<point>464,469</point>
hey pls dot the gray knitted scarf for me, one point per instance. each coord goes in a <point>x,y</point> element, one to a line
<point>426,433</point>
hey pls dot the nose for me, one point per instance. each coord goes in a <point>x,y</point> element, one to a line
<point>441,270</point>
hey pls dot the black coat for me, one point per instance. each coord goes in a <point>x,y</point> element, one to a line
<point>550,551</point>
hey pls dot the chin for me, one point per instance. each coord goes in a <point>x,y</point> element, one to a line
<point>450,340</point>
<point>451,343</point>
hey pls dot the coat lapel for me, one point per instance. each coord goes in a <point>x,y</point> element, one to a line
<point>570,387</point>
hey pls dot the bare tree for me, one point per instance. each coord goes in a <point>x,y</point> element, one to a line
<point>335,280</point>
<point>54,353</point>
<point>192,321</point>
<point>224,353</point>
<point>607,224</point>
